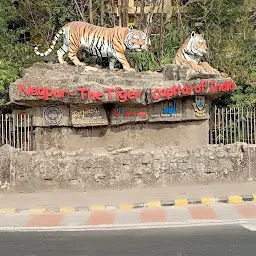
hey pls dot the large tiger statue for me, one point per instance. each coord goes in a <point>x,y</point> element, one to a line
<point>99,41</point>
<point>191,52</point>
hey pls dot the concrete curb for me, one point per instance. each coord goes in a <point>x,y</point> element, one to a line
<point>126,207</point>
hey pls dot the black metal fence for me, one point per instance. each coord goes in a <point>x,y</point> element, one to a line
<point>16,130</point>
<point>232,124</point>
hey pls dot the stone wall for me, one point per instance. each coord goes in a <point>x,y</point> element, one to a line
<point>252,161</point>
<point>53,169</point>
<point>6,153</point>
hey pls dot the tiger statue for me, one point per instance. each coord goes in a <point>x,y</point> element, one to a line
<point>99,41</point>
<point>191,52</point>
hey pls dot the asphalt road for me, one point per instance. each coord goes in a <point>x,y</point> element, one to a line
<point>186,241</point>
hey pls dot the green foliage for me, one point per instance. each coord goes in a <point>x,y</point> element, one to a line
<point>172,42</point>
<point>245,96</point>
<point>143,61</point>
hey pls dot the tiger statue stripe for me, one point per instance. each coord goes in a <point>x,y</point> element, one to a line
<point>99,41</point>
<point>191,52</point>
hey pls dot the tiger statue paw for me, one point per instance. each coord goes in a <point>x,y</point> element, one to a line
<point>224,75</point>
<point>197,68</point>
<point>191,52</point>
<point>99,41</point>
<point>64,63</point>
<point>91,68</point>
<point>131,70</point>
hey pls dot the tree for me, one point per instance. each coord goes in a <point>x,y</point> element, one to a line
<point>15,53</point>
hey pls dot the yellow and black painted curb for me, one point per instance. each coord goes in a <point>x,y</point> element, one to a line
<point>126,207</point>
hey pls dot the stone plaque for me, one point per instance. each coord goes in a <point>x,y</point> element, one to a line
<point>52,115</point>
<point>88,116</point>
<point>122,114</point>
<point>200,106</point>
<point>166,111</point>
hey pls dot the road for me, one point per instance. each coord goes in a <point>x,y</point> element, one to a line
<point>221,240</point>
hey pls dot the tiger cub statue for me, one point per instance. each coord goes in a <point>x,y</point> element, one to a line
<point>99,41</point>
<point>191,52</point>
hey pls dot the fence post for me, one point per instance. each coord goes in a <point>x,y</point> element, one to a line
<point>248,129</point>
<point>238,120</point>
<point>211,128</point>
<point>254,117</point>
<point>226,110</point>
<point>18,136</point>
<point>13,131</point>
<point>2,130</point>
<point>230,124</point>
<point>6,130</point>
<point>243,133</point>
<point>223,125</point>
<point>234,124</point>
<point>251,128</point>
<point>9,127</point>
<point>215,124</point>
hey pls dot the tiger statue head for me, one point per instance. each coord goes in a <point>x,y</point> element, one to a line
<point>137,40</point>
<point>196,45</point>
<point>191,52</point>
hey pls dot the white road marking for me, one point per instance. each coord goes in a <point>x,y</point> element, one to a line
<point>249,227</point>
<point>123,226</point>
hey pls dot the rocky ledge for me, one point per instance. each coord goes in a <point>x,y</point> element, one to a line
<point>46,83</point>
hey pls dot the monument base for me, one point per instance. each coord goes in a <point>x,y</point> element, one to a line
<point>74,108</point>
<point>188,134</point>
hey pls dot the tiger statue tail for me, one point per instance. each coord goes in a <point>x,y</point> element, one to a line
<point>54,41</point>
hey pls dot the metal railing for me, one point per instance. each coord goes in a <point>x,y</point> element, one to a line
<point>16,130</point>
<point>231,124</point>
